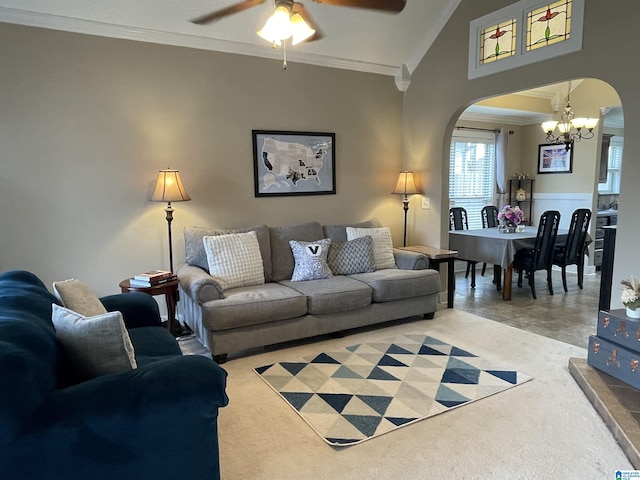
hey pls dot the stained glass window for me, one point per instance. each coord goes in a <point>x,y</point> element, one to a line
<point>548,25</point>
<point>498,41</point>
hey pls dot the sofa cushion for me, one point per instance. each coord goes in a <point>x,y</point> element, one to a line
<point>152,344</point>
<point>338,232</point>
<point>253,305</point>
<point>95,346</point>
<point>337,294</point>
<point>234,259</point>
<point>78,297</point>
<point>382,244</point>
<point>310,260</point>
<point>395,284</point>
<point>353,256</point>
<point>282,260</point>
<point>194,247</point>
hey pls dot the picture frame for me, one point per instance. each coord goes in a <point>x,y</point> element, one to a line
<point>555,158</point>
<point>290,163</point>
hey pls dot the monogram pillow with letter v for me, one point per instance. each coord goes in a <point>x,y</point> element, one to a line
<point>311,260</point>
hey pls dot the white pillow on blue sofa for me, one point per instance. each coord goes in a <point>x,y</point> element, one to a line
<point>95,346</point>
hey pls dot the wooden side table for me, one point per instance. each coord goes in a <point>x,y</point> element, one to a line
<point>168,289</point>
<point>437,256</point>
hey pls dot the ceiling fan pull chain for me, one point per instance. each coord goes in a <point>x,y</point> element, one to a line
<point>284,50</point>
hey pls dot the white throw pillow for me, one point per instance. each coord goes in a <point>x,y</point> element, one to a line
<point>234,259</point>
<point>97,345</point>
<point>78,297</point>
<point>382,244</point>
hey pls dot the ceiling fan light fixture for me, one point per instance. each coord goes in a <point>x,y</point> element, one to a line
<point>300,29</point>
<point>278,27</point>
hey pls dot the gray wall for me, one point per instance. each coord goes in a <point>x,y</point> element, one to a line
<point>440,91</point>
<point>86,122</point>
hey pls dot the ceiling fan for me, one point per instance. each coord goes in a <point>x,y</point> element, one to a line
<point>297,8</point>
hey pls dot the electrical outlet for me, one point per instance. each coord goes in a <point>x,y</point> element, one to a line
<point>426,203</point>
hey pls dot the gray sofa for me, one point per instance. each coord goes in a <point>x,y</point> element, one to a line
<point>281,310</point>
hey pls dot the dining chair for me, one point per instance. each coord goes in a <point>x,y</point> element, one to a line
<point>540,257</point>
<point>458,220</point>
<point>572,252</point>
<point>490,219</point>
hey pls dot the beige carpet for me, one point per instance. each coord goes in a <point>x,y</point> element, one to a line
<point>543,429</point>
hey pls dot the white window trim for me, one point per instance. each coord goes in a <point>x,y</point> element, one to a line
<point>522,57</point>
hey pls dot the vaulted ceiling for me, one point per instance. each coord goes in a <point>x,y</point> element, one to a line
<point>353,38</point>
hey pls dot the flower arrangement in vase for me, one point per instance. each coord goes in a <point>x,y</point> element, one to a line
<point>510,217</point>
<point>631,297</point>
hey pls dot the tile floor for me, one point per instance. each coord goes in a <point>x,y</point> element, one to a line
<point>569,317</point>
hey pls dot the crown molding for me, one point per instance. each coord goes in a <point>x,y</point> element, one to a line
<point>89,27</point>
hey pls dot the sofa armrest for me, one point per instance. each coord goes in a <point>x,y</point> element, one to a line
<point>198,284</point>
<point>138,309</point>
<point>406,260</point>
<point>118,424</point>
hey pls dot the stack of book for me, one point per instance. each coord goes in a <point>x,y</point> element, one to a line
<point>152,278</point>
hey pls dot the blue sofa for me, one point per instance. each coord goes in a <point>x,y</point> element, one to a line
<point>158,421</point>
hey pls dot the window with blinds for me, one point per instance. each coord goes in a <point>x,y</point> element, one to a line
<point>472,176</point>
<point>614,166</point>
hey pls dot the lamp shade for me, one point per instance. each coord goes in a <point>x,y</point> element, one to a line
<point>405,185</point>
<point>169,188</point>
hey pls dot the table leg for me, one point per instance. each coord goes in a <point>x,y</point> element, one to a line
<point>451,282</point>
<point>170,297</point>
<point>506,284</point>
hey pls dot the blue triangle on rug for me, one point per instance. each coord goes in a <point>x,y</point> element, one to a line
<point>461,375</point>
<point>399,421</point>
<point>346,372</point>
<point>506,375</point>
<point>426,350</point>
<point>337,401</point>
<point>293,368</point>
<point>449,398</point>
<point>458,352</point>
<point>379,374</point>
<point>378,403</point>
<point>324,358</point>
<point>388,361</point>
<point>297,400</point>
<point>398,350</point>
<point>367,395</point>
<point>365,423</point>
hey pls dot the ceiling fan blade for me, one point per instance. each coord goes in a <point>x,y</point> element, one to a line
<point>385,5</point>
<point>301,9</point>
<point>223,12</point>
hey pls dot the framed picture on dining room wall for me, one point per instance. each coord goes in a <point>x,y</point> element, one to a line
<point>555,158</point>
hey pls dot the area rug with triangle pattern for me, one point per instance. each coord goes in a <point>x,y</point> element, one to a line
<point>359,392</point>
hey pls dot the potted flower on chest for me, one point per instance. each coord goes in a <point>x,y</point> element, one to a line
<point>631,297</point>
<point>510,217</point>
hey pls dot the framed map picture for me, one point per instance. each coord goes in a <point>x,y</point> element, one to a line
<point>555,158</point>
<point>293,163</point>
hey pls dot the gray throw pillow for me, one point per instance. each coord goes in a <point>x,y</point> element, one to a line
<point>310,260</point>
<point>353,256</point>
<point>97,345</point>
<point>78,297</point>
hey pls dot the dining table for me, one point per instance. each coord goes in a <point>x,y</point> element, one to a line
<point>490,245</point>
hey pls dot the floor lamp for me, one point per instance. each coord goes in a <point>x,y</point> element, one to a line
<point>169,189</point>
<point>405,186</point>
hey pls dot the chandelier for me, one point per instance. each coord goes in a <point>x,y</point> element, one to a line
<point>570,129</point>
<point>284,24</point>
